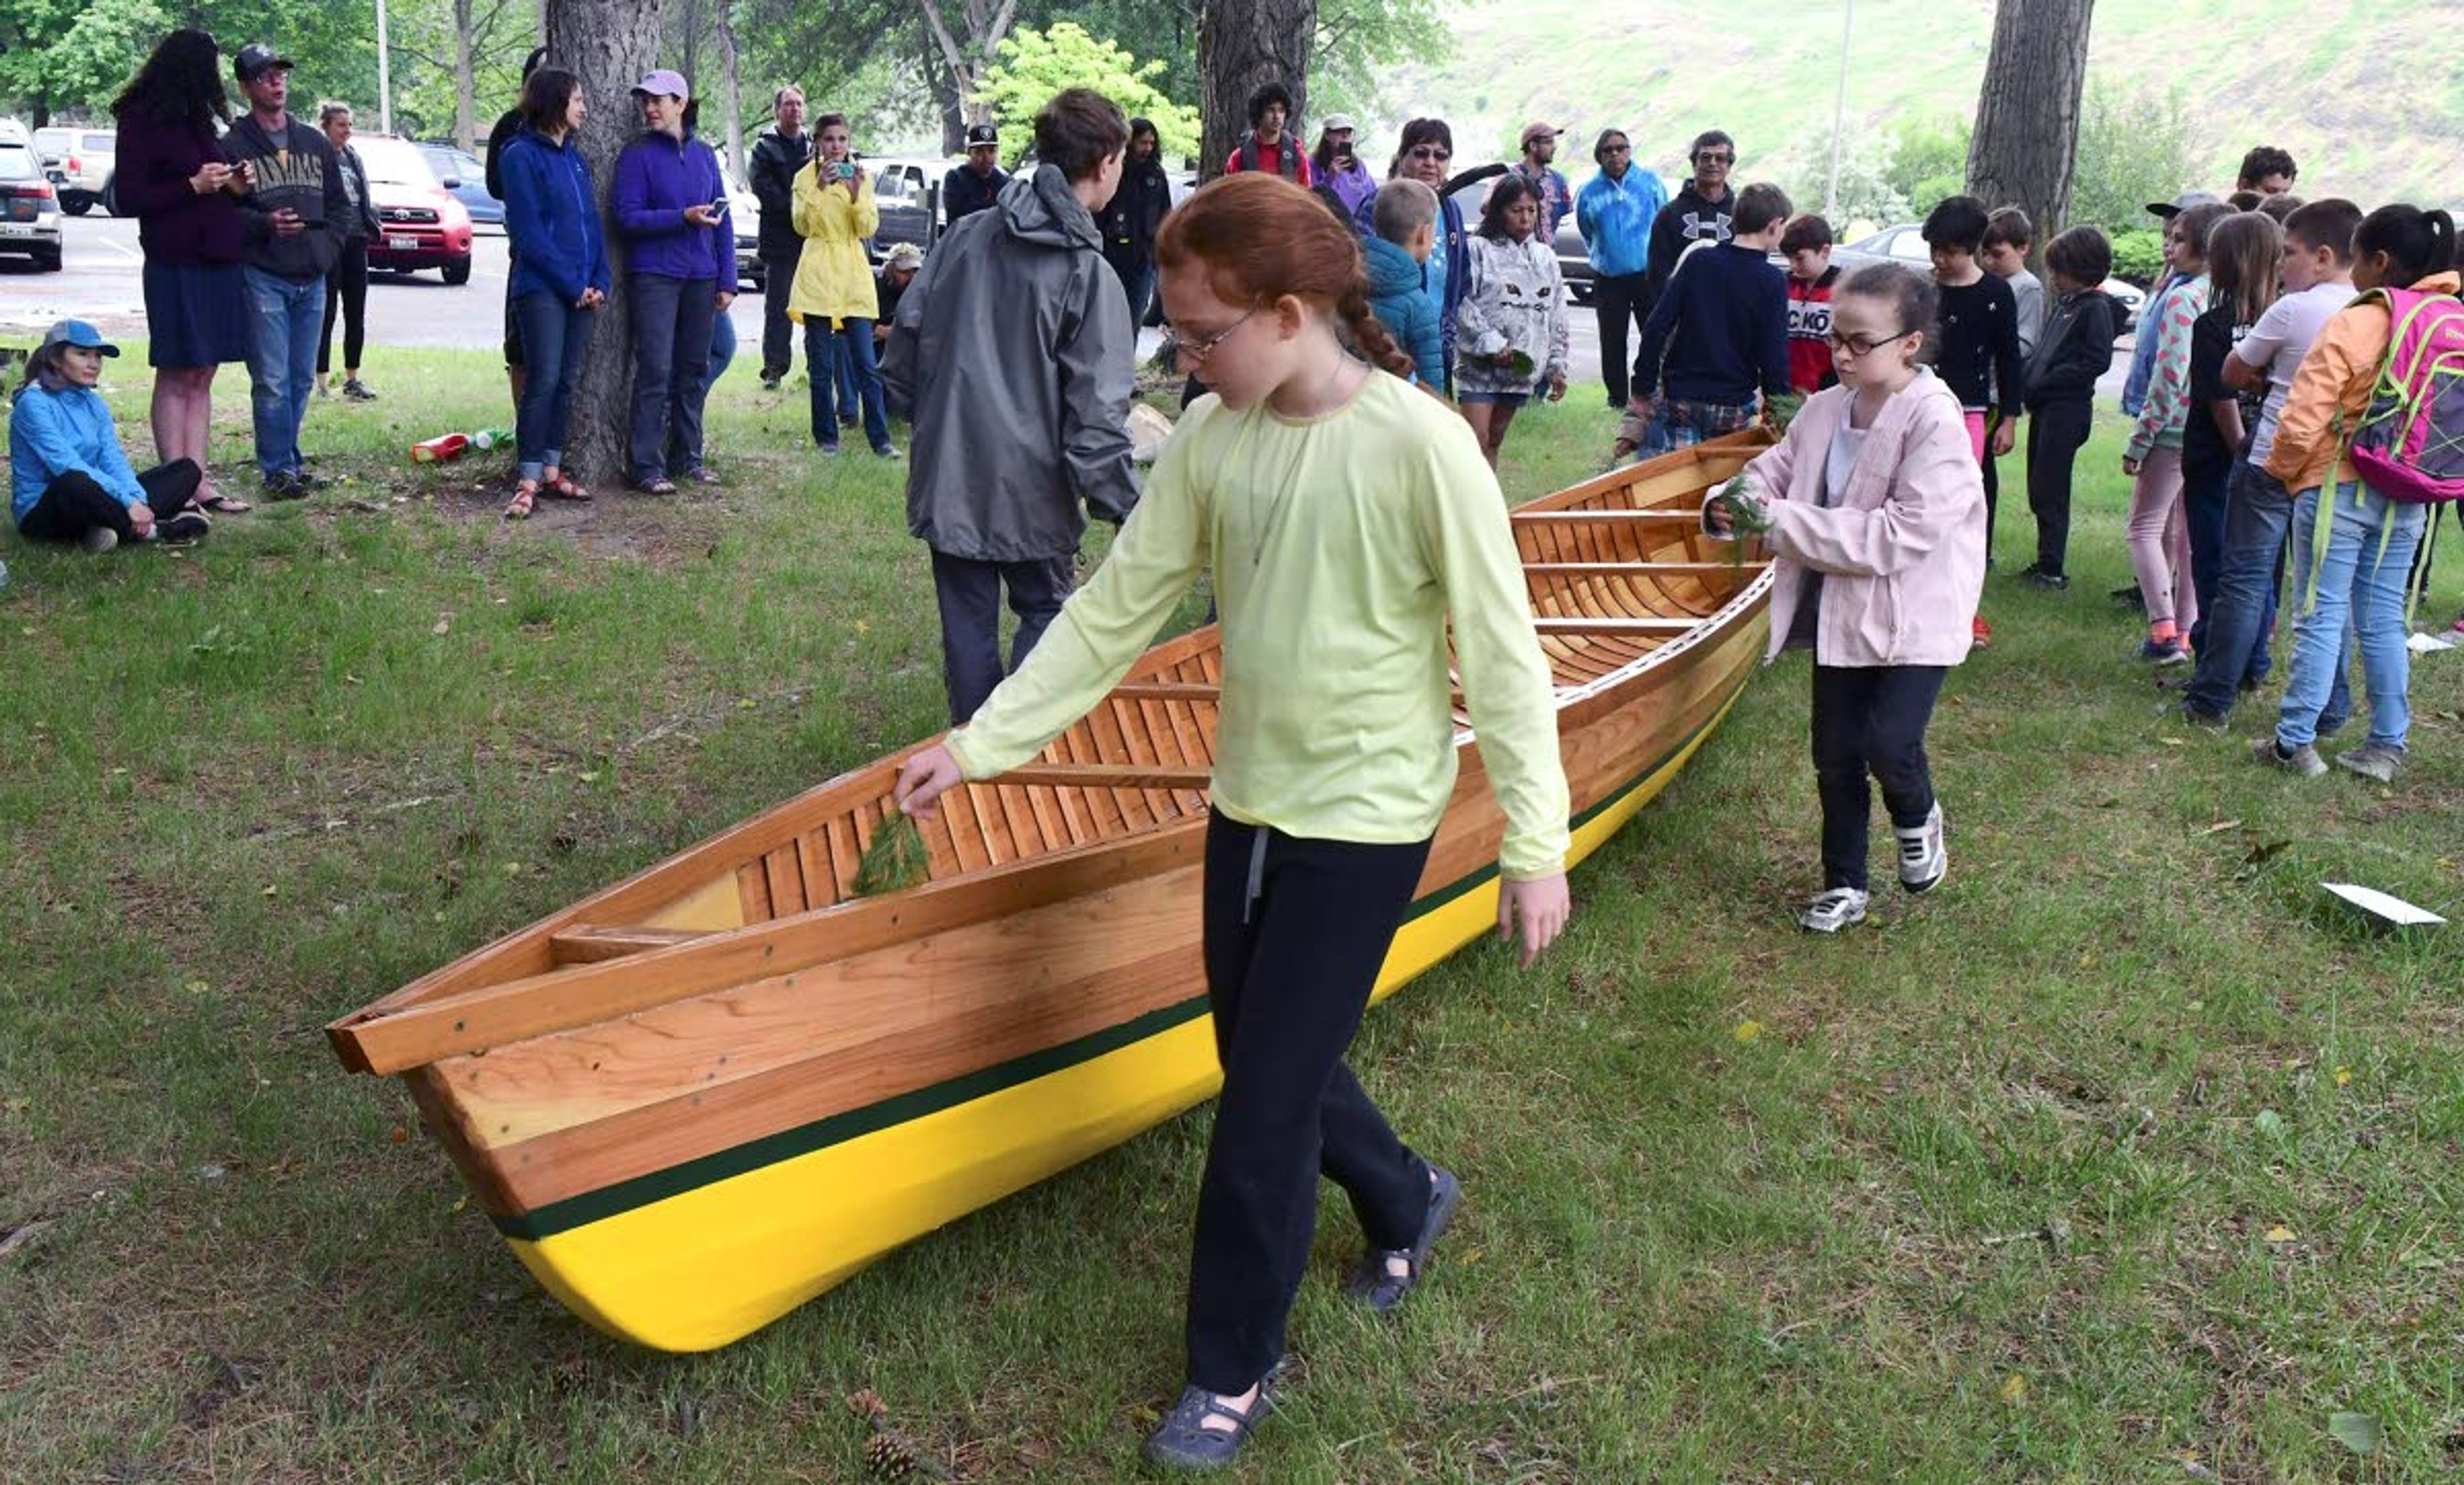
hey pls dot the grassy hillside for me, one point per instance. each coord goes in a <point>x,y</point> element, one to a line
<point>2315,78</point>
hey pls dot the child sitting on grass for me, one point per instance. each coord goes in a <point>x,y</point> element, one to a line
<point>1511,325</point>
<point>1405,214</point>
<point>2058,386</point>
<point>1875,512</point>
<point>69,481</point>
<point>1806,243</point>
<point>1979,351</point>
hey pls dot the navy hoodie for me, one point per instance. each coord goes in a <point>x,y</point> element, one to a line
<point>1722,324</point>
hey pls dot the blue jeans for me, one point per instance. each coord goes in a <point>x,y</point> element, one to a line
<point>845,352</point>
<point>554,336</point>
<point>2362,567</point>
<point>286,319</point>
<point>722,347</point>
<point>2241,609</point>
<point>670,372</point>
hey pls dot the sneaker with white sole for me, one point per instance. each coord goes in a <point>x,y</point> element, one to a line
<point>1831,911</point>
<point>2304,760</point>
<point>1924,858</point>
<point>2373,761</point>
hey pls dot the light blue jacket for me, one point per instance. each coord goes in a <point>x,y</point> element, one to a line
<point>1614,218</point>
<point>1399,296</point>
<point>2142,352</point>
<point>52,434</point>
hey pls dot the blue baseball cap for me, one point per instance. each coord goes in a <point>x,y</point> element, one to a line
<point>77,333</point>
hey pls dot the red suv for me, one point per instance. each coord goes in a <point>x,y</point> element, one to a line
<point>420,224</point>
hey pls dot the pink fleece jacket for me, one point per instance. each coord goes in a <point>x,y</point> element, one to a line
<point>1901,550</point>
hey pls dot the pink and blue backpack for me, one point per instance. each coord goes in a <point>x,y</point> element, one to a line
<point>2409,443</point>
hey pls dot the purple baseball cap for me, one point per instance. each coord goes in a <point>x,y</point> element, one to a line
<point>665,81</point>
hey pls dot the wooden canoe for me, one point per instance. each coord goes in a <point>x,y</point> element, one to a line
<point>708,1094</point>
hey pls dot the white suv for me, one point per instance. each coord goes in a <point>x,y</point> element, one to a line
<point>79,164</point>
<point>29,209</point>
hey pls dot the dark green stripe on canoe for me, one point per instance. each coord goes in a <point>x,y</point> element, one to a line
<point>624,1196</point>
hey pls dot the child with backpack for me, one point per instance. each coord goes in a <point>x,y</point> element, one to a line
<point>69,480</point>
<point>1875,512</point>
<point>1978,357</point>
<point>2160,543</point>
<point>1812,277</point>
<point>1350,523</point>
<point>2073,351</point>
<point>2353,539</point>
<point>1513,326</point>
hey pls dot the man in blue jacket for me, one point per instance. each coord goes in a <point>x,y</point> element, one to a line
<point>1615,214</point>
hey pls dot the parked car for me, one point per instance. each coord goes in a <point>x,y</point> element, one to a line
<point>80,162</point>
<point>744,216</point>
<point>908,193</point>
<point>1905,244</point>
<point>461,172</point>
<point>422,225</point>
<point>29,209</point>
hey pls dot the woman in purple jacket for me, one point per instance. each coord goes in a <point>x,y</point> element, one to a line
<point>174,179</point>
<point>672,205</point>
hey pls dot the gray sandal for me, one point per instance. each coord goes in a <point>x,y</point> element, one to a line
<point>1380,1287</point>
<point>1183,1441</point>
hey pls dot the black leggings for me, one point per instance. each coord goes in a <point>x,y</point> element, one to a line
<point>1870,720</point>
<point>74,504</point>
<point>1295,931</point>
<point>346,285</point>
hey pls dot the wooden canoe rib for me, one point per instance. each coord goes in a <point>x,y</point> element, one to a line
<point>709,1092</point>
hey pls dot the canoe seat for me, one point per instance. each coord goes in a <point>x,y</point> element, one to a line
<point>591,944</point>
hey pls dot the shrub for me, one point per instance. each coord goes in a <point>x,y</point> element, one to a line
<point>2138,255</point>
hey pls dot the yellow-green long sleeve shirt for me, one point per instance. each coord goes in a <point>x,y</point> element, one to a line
<point>1340,545</point>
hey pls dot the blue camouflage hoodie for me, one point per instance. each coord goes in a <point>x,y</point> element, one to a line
<point>1399,296</point>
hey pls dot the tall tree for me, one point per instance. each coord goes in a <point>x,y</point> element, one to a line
<point>2026,146</point>
<point>987,24</point>
<point>1242,45</point>
<point>609,45</point>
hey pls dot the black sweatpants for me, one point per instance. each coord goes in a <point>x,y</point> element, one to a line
<point>2057,431</point>
<point>777,332</point>
<point>1870,720</point>
<point>1295,931</point>
<point>1619,300</point>
<point>1992,484</point>
<point>74,504</point>
<point>347,286</point>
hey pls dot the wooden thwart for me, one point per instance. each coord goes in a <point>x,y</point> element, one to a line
<point>1585,570</point>
<point>1168,691</point>
<point>1553,626</point>
<point>1577,518</point>
<point>591,944</point>
<point>1144,776</point>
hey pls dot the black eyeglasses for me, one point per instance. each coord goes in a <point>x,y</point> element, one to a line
<point>1858,348</point>
<point>1715,160</point>
<point>1431,152</point>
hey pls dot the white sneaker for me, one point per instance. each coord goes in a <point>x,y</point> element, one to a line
<point>1834,910</point>
<point>98,539</point>
<point>1925,859</point>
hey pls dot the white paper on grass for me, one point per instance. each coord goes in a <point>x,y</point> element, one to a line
<point>2423,642</point>
<point>2395,912</point>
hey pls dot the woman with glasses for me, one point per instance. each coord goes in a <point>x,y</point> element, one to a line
<point>1426,152</point>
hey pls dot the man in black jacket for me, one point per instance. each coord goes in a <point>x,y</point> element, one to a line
<point>1704,212</point>
<point>1135,214</point>
<point>295,209</point>
<point>973,187</point>
<point>782,150</point>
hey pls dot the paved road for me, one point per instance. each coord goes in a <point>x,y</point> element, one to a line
<point>101,282</point>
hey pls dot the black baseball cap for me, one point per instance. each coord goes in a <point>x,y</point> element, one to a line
<point>981,136</point>
<point>255,59</point>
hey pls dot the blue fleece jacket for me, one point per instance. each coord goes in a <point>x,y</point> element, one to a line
<point>1614,218</point>
<point>1723,324</point>
<point>657,176</point>
<point>1450,267</point>
<point>552,218</point>
<point>1399,296</point>
<point>67,431</point>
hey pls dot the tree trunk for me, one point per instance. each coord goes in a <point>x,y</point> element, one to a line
<point>731,89</point>
<point>609,45</point>
<point>466,82</point>
<point>1242,45</point>
<point>946,99</point>
<point>2026,144</point>
<point>988,24</point>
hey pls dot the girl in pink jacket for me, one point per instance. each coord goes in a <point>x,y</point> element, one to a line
<point>1873,509</point>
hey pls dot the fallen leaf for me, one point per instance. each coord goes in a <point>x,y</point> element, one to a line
<point>269,890</point>
<point>199,987</point>
<point>2280,1234</point>
<point>861,627</point>
<point>459,1202</point>
<point>513,869</point>
<point>2222,827</point>
<point>2014,1390</point>
<point>2260,856</point>
<point>1748,1030</point>
<point>401,1135</point>
<point>591,777</point>
<point>2343,1078</point>
<point>443,625</point>
<point>2359,1432</point>
<point>2270,1124</point>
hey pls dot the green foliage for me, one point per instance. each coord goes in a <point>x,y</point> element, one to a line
<point>62,54</point>
<point>2134,148</point>
<point>2138,255</point>
<point>1035,64</point>
<point>1928,161</point>
<point>1867,199</point>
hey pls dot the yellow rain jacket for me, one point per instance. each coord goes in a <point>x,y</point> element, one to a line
<point>834,278</point>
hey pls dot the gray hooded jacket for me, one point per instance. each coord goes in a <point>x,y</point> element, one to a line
<point>1012,353</point>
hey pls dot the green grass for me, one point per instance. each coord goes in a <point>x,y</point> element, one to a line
<point>1983,1191</point>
